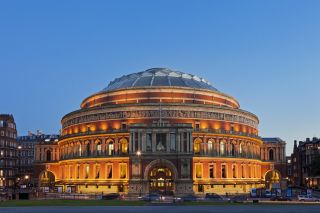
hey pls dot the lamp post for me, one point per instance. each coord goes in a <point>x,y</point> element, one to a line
<point>19,159</point>
<point>140,173</point>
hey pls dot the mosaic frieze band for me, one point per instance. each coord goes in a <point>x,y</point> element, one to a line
<point>164,114</point>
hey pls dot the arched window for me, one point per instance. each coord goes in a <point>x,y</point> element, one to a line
<point>48,157</point>
<point>98,148</point>
<point>79,150</point>
<point>124,146</point>
<point>197,146</point>
<point>240,149</point>
<point>222,148</point>
<point>271,154</point>
<point>232,149</point>
<point>110,148</point>
<point>210,147</point>
<point>88,149</point>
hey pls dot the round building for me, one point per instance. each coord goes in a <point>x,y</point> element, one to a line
<point>157,131</point>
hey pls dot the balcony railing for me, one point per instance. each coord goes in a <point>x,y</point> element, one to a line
<point>227,155</point>
<point>219,131</point>
<point>95,154</point>
<point>93,133</point>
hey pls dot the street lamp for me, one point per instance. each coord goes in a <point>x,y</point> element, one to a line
<point>140,180</point>
<point>19,159</point>
<point>307,182</point>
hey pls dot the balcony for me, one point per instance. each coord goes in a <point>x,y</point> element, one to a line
<point>95,154</point>
<point>227,155</point>
<point>88,133</point>
<point>222,132</point>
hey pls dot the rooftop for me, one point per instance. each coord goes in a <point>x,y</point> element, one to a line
<point>159,77</point>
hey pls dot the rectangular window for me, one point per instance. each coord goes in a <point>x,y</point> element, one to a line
<point>123,171</point>
<point>86,171</point>
<point>198,170</point>
<point>185,141</point>
<point>136,141</point>
<point>211,171</point>
<point>223,171</point>
<point>97,171</point>
<point>109,171</point>
<point>242,171</point>
<point>161,142</point>
<point>70,172</point>
<point>78,171</point>
<point>172,142</point>
<point>149,142</point>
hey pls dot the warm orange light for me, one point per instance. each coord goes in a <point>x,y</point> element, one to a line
<point>216,125</point>
<point>204,125</point>
<point>93,127</point>
<point>116,125</point>
<point>83,128</point>
<point>76,130</point>
<point>227,126</point>
<point>244,129</point>
<point>104,126</point>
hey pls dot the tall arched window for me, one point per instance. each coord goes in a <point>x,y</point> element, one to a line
<point>110,148</point>
<point>124,146</point>
<point>48,157</point>
<point>232,149</point>
<point>240,149</point>
<point>88,149</point>
<point>98,148</point>
<point>222,148</point>
<point>210,147</point>
<point>79,150</point>
<point>271,154</point>
<point>197,146</point>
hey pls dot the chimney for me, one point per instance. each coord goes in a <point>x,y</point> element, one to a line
<point>308,140</point>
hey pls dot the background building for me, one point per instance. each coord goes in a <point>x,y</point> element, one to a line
<point>8,151</point>
<point>303,156</point>
<point>26,154</point>
<point>274,151</point>
<point>158,131</point>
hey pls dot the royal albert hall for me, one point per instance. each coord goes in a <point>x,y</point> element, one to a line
<point>156,131</point>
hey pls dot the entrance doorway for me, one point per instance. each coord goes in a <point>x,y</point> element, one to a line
<point>161,181</point>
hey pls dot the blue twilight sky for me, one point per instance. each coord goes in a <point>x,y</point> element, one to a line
<point>266,54</point>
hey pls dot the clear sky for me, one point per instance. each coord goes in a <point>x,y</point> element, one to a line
<point>266,54</point>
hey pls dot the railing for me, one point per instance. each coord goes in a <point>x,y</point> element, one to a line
<point>219,131</point>
<point>93,155</point>
<point>227,155</point>
<point>87,133</point>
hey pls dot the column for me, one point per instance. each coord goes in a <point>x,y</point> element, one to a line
<point>130,143</point>
<point>116,148</point>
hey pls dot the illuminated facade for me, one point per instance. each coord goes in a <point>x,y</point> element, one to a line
<point>157,130</point>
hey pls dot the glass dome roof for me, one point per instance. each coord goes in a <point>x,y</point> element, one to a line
<point>159,77</point>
